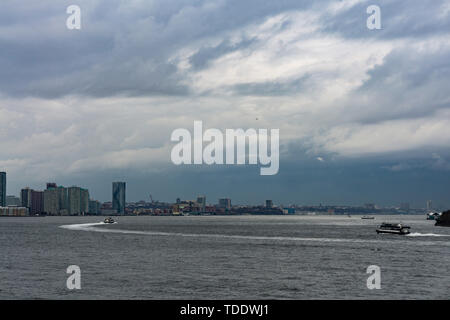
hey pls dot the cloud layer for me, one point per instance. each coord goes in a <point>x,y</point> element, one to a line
<point>103,100</point>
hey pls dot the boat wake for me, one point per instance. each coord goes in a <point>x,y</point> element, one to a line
<point>418,234</point>
<point>94,227</point>
<point>84,226</point>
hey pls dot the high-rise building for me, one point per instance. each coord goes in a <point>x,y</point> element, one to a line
<point>201,200</point>
<point>225,203</point>
<point>269,204</point>
<point>119,197</point>
<point>74,200</point>
<point>25,197</point>
<point>77,200</point>
<point>37,202</point>
<point>2,189</point>
<point>84,201</point>
<point>51,201</point>
<point>63,201</point>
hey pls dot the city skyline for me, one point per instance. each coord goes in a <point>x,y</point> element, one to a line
<point>118,199</point>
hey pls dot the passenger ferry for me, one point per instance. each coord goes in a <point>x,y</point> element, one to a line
<point>394,228</point>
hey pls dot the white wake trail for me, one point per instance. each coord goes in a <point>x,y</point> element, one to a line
<point>93,227</point>
<point>417,234</point>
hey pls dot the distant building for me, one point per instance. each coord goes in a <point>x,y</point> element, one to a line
<point>13,211</point>
<point>119,197</point>
<point>201,200</point>
<point>269,204</point>
<point>2,189</point>
<point>51,201</point>
<point>25,197</point>
<point>74,200</point>
<point>37,202</point>
<point>84,201</point>
<point>225,203</point>
<point>63,200</point>
<point>94,207</point>
<point>13,201</point>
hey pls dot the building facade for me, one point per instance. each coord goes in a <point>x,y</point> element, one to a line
<point>25,197</point>
<point>37,202</point>
<point>225,203</point>
<point>2,189</point>
<point>119,197</point>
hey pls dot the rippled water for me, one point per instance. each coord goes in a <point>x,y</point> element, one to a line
<point>239,257</point>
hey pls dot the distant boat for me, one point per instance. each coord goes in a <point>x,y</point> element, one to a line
<point>109,220</point>
<point>367,218</point>
<point>393,228</point>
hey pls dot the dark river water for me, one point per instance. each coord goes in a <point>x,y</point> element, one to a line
<point>218,257</point>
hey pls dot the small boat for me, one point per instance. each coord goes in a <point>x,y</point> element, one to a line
<point>367,217</point>
<point>394,228</point>
<point>109,220</point>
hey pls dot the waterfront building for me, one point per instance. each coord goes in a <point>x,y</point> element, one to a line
<point>25,197</point>
<point>13,211</point>
<point>201,201</point>
<point>2,189</point>
<point>74,200</point>
<point>51,201</point>
<point>37,202</point>
<point>225,203</point>
<point>94,207</point>
<point>119,197</point>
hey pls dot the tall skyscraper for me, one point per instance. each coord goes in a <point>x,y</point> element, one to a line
<point>2,189</point>
<point>119,197</point>
<point>269,204</point>
<point>84,201</point>
<point>25,197</point>
<point>51,201</point>
<point>37,202</point>
<point>63,201</point>
<point>74,200</point>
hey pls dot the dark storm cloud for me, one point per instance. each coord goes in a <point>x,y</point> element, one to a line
<point>123,47</point>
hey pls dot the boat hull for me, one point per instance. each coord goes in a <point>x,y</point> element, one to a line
<point>400,232</point>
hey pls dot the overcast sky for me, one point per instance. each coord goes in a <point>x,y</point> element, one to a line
<point>364,115</point>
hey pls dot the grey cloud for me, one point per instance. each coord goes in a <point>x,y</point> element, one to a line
<point>400,19</point>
